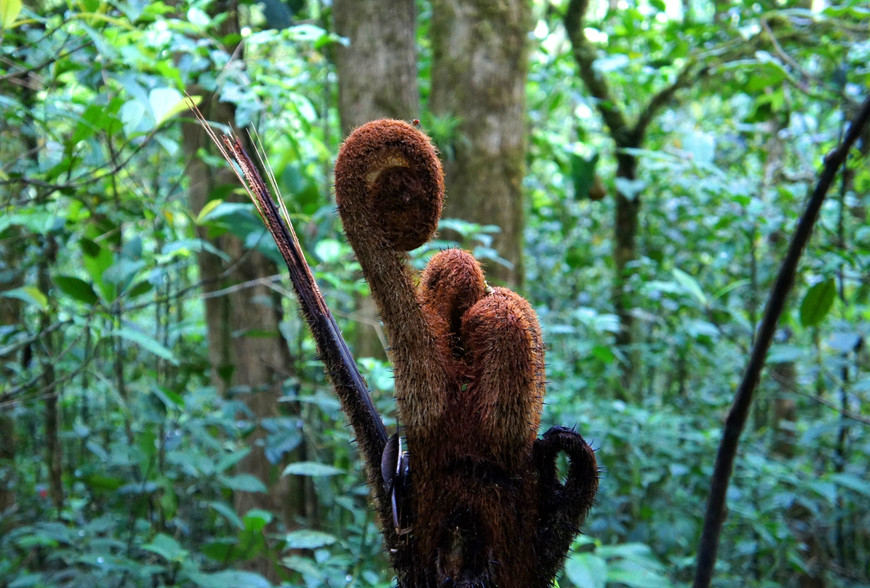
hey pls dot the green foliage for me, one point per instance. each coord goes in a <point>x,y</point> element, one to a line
<point>101,301</point>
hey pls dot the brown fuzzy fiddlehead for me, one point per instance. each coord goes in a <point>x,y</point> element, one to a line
<point>479,493</point>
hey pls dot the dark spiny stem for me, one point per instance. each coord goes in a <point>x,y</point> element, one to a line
<point>736,420</point>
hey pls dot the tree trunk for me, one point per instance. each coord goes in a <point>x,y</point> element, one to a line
<point>479,67</point>
<point>627,136</point>
<point>51,416</point>
<point>625,232</point>
<point>246,351</point>
<point>11,276</point>
<point>377,78</point>
<point>377,71</point>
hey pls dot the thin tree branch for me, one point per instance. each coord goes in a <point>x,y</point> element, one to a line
<point>686,76</point>
<point>16,74</point>
<point>736,420</point>
<point>584,55</point>
<point>819,400</point>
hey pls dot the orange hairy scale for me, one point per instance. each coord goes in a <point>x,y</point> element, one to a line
<point>389,178</point>
<point>484,505</point>
<point>451,283</point>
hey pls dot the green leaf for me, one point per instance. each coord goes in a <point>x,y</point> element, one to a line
<point>637,577</point>
<point>9,10</point>
<point>634,551</point>
<point>228,513</point>
<point>854,483</point>
<point>243,483</point>
<point>101,482</point>
<point>328,250</point>
<point>310,468</point>
<point>29,294</point>
<point>586,570</point>
<point>142,287</point>
<point>603,353</point>
<point>147,343</point>
<point>76,288</point>
<point>197,16</point>
<point>582,174</point>
<point>97,117</point>
<point>169,398</point>
<point>308,539</point>
<point>206,210</point>
<point>165,103</point>
<point>690,284</point>
<point>228,579</point>
<point>817,302</point>
<point>220,550</point>
<point>231,459</point>
<point>256,520</point>
<point>231,212</point>
<point>96,260</point>
<point>134,117</point>
<point>167,548</point>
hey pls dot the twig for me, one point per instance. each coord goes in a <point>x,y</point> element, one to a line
<point>736,420</point>
<point>819,400</point>
<point>584,54</point>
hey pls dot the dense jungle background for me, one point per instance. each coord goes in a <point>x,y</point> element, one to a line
<point>634,168</point>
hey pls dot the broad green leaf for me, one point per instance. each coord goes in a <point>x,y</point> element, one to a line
<point>9,10</point>
<point>732,286</point>
<point>310,468</point>
<point>582,174</point>
<point>141,287</point>
<point>305,566</point>
<point>229,513</point>
<point>148,343</point>
<point>586,570</point>
<point>29,294</point>
<point>603,353</point>
<point>96,260</point>
<point>165,103</point>
<point>167,548</point>
<point>101,482</point>
<point>228,579</point>
<point>97,117</point>
<point>635,551</point>
<point>76,289</point>
<point>230,212</point>
<point>817,302</point>
<point>185,247</point>
<point>134,119</point>
<point>854,483</point>
<point>308,539</point>
<point>637,577</point>
<point>256,519</point>
<point>123,271</point>
<point>782,353</point>
<point>197,16</point>
<point>328,250</point>
<point>169,398</point>
<point>231,459</point>
<point>36,221</point>
<point>700,146</point>
<point>844,342</point>
<point>221,550</point>
<point>243,483</point>
<point>690,284</point>
<point>206,210</point>
<point>629,188</point>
